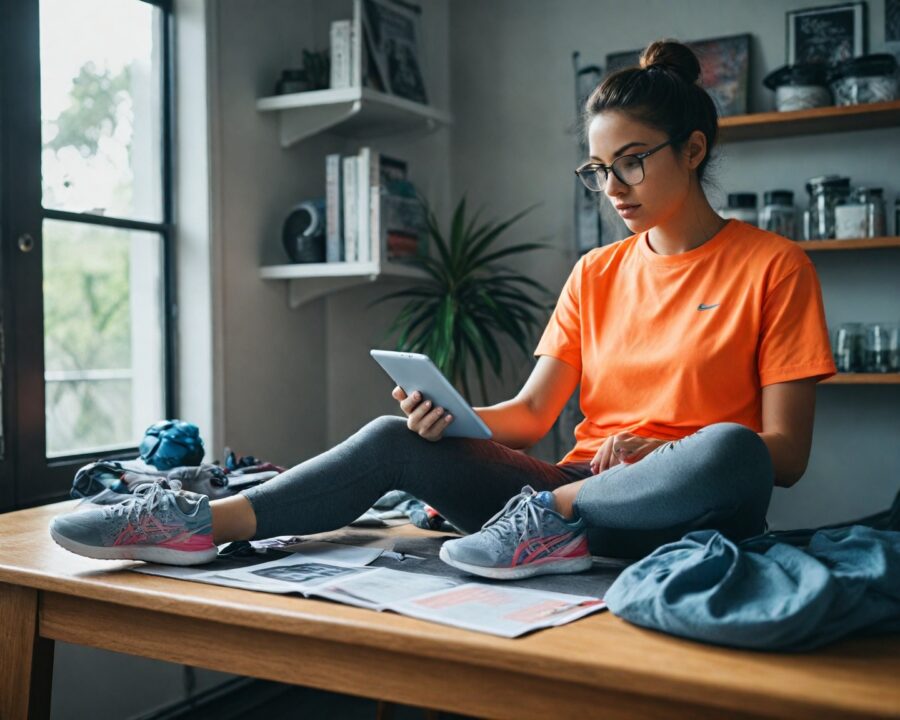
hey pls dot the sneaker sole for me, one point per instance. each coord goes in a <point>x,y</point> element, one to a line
<point>166,556</point>
<point>553,567</point>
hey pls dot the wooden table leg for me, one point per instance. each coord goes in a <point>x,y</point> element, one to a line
<point>26,659</point>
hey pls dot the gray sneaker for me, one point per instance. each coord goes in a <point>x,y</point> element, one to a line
<point>156,524</point>
<point>527,537</point>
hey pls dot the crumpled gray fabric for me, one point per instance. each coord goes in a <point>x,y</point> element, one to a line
<point>794,590</point>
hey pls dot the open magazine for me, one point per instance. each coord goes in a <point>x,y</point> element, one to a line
<point>341,573</point>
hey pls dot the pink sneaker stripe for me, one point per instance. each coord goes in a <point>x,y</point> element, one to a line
<point>191,543</point>
<point>528,552</point>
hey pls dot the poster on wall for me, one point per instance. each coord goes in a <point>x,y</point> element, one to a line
<point>829,34</point>
<point>588,228</point>
<point>724,69</point>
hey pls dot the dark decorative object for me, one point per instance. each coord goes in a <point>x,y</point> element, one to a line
<point>724,69</point>
<point>799,87</point>
<point>317,67</point>
<point>303,233</point>
<point>291,81</point>
<point>866,79</point>
<point>828,35</point>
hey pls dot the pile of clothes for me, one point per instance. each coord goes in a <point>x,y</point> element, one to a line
<point>172,452</point>
<point>791,590</point>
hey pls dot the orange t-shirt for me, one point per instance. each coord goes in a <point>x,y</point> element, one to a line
<point>667,344</point>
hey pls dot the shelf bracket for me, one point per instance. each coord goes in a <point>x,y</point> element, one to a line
<point>300,123</point>
<point>303,290</point>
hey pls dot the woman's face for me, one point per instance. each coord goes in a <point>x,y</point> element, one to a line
<point>667,174</point>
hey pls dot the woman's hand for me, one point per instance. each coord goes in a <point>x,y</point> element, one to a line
<point>422,419</point>
<point>623,448</point>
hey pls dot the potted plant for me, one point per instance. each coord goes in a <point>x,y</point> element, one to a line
<point>468,300</point>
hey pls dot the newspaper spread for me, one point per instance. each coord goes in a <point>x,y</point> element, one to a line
<point>341,573</point>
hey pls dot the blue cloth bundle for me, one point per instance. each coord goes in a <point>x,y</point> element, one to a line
<point>778,591</point>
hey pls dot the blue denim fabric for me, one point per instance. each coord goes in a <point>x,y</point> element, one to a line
<point>778,591</point>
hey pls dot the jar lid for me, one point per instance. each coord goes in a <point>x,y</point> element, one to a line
<point>742,200</point>
<point>864,66</point>
<point>829,181</point>
<point>797,75</point>
<point>778,197</point>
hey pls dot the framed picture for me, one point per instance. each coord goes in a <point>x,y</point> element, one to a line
<point>892,26</point>
<point>724,69</point>
<point>826,34</point>
<point>619,60</point>
<point>392,31</point>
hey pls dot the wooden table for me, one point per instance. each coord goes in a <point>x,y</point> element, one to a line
<point>599,666</point>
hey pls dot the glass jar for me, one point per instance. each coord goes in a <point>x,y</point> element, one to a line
<point>877,348</point>
<point>825,192</point>
<point>850,218</point>
<point>866,79</point>
<point>741,206</point>
<point>847,347</point>
<point>778,214</point>
<point>799,87</point>
<point>894,346</point>
<point>873,199</point>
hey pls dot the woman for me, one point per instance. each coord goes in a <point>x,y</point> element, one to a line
<point>697,342</point>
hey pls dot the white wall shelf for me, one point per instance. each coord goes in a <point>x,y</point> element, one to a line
<point>308,281</point>
<point>351,112</point>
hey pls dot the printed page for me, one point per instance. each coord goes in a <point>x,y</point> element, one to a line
<point>381,587</point>
<point>498,610</point>
<point>299,572</point>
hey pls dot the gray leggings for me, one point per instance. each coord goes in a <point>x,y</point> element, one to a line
<point>720,477</point>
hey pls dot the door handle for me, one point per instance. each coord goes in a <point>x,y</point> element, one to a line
<point>26,243</point>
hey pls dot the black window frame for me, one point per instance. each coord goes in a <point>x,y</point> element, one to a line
<point>27,476</point>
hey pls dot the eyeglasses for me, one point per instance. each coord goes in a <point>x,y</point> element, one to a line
<point>629,169</point>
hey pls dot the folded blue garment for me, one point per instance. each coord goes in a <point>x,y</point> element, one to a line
<point>765,592</point>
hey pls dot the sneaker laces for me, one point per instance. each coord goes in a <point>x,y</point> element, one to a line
<point>519,515</point>
<point>144,499</point>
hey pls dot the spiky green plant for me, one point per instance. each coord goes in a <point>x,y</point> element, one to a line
<point>468,301</point>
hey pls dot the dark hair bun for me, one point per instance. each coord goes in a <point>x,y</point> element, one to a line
<point>673,56</point>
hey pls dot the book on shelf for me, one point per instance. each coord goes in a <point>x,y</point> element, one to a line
<point>334,210</point>
<point>364,180</point>
<point>373,213</point>
<point>340,51</point>
<point>356,45</point>
<point>350,195</point>
<point>400,226</point>
<point>391,30</point>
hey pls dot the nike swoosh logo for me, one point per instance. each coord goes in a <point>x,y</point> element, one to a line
<point>701,306</point>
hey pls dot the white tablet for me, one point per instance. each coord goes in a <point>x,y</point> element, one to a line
<point>412,371</point>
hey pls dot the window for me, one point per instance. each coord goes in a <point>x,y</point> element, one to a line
<point>91,240</point>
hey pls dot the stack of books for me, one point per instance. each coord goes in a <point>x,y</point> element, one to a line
<point>378,48</point>
<point>372,211</point>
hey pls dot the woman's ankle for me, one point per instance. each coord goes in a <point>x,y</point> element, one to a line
<point>233,519</point>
